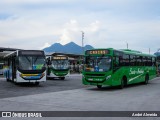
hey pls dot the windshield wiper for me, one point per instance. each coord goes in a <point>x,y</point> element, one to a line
<point>35,60</point>
<point>27,59</point>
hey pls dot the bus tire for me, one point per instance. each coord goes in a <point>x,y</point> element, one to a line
<point>122,84</point>
<point>36,83</point>
<point>47,78</point>
<point>62,78</point>
<point>6,74</point>
<point>15,82</point>
<point>146,79</point>
<point>99,86</point>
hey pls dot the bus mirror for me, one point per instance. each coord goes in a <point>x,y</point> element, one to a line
<point>48,62</point>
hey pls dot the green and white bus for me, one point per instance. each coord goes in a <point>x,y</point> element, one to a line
<point>58,66</point>
<point>26,66</point>
<point>112,67</point>
<point>157,54</point>
<point>158,65</point>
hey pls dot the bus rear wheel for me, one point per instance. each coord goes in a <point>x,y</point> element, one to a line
<point>99,86</point>
<point>146,79</point>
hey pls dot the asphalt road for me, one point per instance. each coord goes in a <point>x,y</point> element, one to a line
<point>9,89</point>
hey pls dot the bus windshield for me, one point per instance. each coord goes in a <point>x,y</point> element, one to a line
<point>31,62</point>
<point>60,64</point>
<point>98,64</point>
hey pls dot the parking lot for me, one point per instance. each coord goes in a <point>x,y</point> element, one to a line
<point>71,95</point>
<point>9,89</point>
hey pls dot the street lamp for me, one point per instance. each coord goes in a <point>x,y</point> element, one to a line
<point>82,57</point>
<point>82,42</point>
<point>127,44</point>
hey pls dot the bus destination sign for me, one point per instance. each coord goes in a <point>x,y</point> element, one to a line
<point>99,52</point>
<point>59,58</point>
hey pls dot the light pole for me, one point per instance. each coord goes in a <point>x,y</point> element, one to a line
<point>127,44</point>
<point>82,42</point>
<point>82,57</point>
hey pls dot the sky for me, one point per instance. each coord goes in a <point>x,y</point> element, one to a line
<point>36,24</point>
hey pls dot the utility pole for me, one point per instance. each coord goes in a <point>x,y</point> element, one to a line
<point>82,42</point>
<point>127,44</point>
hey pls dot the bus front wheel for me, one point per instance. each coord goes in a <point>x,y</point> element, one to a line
<point>122,84</point>
<point>99,86</point>
<point>36,83</point>
<point>62,78</point>
<point>7,79</point>
<point>7,76</point>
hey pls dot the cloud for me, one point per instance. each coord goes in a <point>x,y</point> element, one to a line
<point>45,45</point>
<point>72,31</point>
<point>34,1</point>
<point>106,23</point>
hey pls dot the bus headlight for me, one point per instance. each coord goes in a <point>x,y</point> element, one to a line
<point>108,77</point>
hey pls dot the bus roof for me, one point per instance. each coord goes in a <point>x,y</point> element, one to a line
<point>126,51</point>
<point>134,52</point>
<point>25,52</point>
<point>10,54</point>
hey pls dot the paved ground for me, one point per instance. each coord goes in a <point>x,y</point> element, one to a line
<point>9,89</point>
<point>79,98</point>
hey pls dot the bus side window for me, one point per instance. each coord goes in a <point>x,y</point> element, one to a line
<point>16,62</point>
<point>138,60</point>
<point>125,60</point>
<point>132,60</point>
<point>116,62</point>
<point>153,61</point>
<point>144,60</point>
<point>149,63</point>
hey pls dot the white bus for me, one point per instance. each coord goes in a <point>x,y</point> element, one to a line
<point>26,66</point>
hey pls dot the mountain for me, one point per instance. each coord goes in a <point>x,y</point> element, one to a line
<point>71,47</point>
<point>157,53</point>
